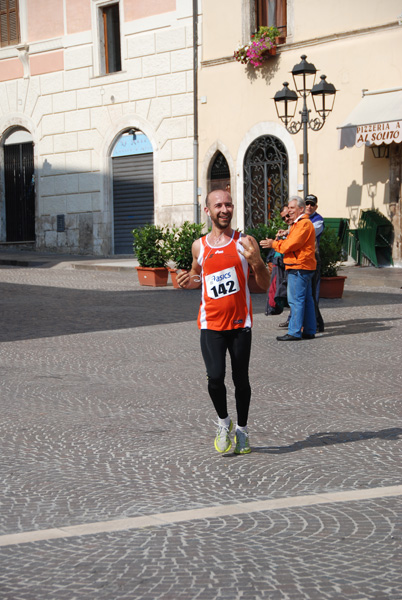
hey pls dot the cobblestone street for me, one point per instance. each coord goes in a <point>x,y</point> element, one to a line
<point>110,485</point>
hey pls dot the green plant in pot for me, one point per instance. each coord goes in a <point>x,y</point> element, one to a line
<point>271,33</point>
<point>331,255</point>
<point>263,231</point>
<point>179,244</point>
<point>150,249</point>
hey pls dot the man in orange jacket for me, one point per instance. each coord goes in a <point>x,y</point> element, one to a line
<point>299,258</point>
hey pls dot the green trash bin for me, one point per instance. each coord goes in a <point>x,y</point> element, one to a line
<point>375,234</point>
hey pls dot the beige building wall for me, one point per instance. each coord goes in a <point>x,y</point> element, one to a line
<point>51,85</point>
<point>356,44</point>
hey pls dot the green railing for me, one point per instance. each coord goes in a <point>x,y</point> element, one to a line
<point>375,233</point>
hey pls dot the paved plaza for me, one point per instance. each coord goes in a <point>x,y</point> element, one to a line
<point>110,485</point>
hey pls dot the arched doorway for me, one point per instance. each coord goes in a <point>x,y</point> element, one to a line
<point>19,187</point>
<point>219,174</point>
<point>266,179</point>
<point>133,188</point>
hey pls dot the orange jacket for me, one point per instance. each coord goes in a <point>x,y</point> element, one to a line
<point>299,246</point>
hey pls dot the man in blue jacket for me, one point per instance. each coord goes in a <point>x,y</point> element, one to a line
<point>318,222</point>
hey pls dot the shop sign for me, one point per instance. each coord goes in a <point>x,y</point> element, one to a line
<point>379,133</point>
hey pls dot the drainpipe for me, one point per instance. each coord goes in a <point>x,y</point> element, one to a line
<point>195,107</point>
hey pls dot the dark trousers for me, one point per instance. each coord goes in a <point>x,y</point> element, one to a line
<point>316,293</point>
<point>214,346</point>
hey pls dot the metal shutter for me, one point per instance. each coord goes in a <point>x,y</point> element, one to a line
<point>133,198</point>
<point>19,192</point>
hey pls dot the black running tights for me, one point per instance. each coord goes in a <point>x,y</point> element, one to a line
<point>214,345</point>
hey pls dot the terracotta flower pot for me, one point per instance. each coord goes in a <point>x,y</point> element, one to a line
<point>152,276</point>
<point>332,287</point>
<point>173,276</point>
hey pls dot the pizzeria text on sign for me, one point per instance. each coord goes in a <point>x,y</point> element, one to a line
<point>379,133</point>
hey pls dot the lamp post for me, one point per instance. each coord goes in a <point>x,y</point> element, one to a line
<point>323,94</point>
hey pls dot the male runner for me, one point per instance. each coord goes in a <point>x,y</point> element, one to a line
<point>221,262</point>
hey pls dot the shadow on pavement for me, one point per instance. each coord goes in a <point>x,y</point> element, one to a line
<point>30,312</point>
<point>34,311</point>
<point>330,438</point>
<point>354,326</point>
<point>363,298</point>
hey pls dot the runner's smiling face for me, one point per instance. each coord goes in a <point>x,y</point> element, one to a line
<point>220,208</point>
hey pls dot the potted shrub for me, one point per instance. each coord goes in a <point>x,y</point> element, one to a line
<point>151,252</point>
<point>179,241</point>
<point>260,232</point>
<point>266,230</point>
<point>331,254</point>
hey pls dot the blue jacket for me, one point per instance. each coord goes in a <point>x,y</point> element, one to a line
<point>318,223</point>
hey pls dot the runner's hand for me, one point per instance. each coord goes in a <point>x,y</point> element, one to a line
<point>182,278</point>
<point>251,250</point>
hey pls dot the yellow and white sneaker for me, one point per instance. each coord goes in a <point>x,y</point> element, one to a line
<point>222,440</point>
<point>242,442</point>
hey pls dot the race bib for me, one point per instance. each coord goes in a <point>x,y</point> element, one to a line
<point>223,283</point>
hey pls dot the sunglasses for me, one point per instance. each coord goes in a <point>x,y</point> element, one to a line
<point>310,203</point>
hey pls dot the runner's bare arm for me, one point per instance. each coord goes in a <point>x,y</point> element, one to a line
<point>252,255</point>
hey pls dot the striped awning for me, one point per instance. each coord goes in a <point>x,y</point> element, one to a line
<point>376,120</point>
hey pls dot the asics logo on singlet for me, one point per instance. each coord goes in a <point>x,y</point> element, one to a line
<point>219,252</point>
<point>218,278</point>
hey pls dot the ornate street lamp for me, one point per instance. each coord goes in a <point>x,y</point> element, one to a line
<point>323,94</point>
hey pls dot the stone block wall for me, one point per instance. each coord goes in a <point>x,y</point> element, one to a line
<point>76,115</point>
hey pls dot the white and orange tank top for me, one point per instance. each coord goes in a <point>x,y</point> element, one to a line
<point>225,298</point>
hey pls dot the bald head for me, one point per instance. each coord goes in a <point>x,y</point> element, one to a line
<point>219,208</point>
<point>218,195</point>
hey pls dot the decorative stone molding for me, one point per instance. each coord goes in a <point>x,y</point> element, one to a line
<point>23,55</point>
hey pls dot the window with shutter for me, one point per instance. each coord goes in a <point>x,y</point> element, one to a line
<point>9,23</point>
<point>111,52</point>
<point>271,13</point>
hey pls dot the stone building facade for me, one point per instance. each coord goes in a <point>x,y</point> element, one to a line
<point>78,78</point>
<point>102,128</point>
<point>357,45</point>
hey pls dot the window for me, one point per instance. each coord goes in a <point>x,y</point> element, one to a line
<point>271,13</point>
<point>9,26</point>
<point>219,177</point>
<point>110,36</point>
<point>266,179</point>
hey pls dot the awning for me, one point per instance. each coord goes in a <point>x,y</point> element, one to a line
<point>377,119</point>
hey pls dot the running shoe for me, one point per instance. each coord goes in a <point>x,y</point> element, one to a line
<point>242,443</point>
<point>222,440</point>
